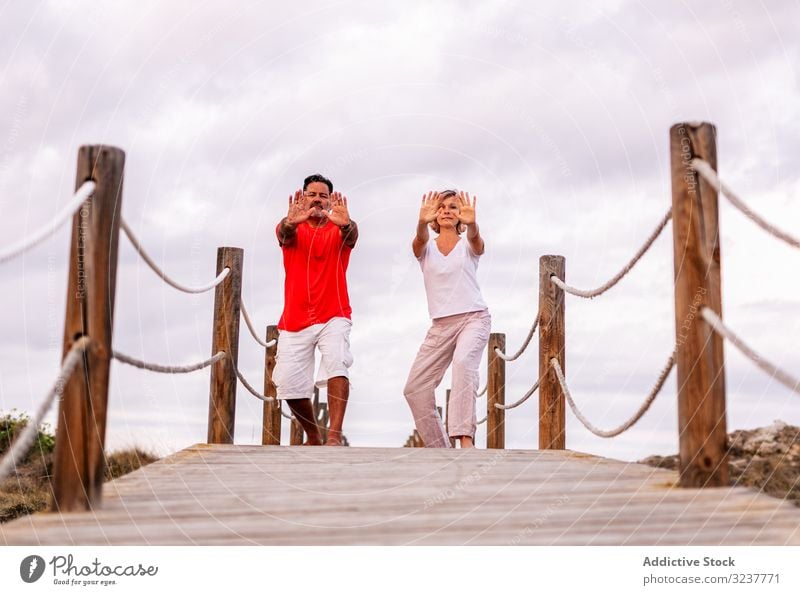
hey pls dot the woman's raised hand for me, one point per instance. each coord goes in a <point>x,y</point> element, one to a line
<point>430,207</point>
<point>298,211</point>
<point>466,208</point>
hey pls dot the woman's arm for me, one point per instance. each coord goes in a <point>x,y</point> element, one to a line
<point>427,213</point>
<point>466,215</point>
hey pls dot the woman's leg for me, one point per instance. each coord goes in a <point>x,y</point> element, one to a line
<point>426,373</point>
<point>473,335</point>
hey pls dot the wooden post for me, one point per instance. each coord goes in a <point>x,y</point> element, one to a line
<point>295,433</point>
<point>271,417</point>
<point>80,434</point>
<point>496,393</point>
<point>321,416</point>
<point>227,305</point>
<point>701,372</point>
<point>552,431</point>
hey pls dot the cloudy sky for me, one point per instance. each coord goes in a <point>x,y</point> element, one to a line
<point>556,115</point>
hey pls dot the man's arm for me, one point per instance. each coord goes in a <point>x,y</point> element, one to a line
<point>340,216</point>
<point>298,212</point>
<point>349,234</point>
<point>287,233</point>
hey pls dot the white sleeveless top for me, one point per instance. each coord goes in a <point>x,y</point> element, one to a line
<point>451,282</point>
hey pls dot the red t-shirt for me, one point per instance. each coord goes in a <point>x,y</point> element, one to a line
<point>315,289</point>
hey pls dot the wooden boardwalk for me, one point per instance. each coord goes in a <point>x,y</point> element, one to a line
<point>277,495</point>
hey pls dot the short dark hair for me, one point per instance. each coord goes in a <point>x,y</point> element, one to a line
<point>317,178</point>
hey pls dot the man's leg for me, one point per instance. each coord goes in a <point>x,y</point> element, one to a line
<point>334,346</point>
<point>294,378</point>
<point>338,392</point>
<point>303,410</point>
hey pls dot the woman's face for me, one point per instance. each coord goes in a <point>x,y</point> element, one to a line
<point>448,213</point>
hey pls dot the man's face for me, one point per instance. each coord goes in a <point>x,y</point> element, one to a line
<point>318,199</point>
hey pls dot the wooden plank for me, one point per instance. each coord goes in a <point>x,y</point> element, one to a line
<point>239,495</point>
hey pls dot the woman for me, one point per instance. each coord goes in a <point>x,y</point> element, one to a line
<point>461,322</point>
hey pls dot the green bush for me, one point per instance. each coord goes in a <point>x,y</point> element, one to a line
<point>12,424</point>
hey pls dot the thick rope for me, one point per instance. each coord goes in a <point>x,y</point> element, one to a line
<point>636,417</point>
<point>286,415</point>
<point>522,400</point>
<point>146,257</point>
<point>483,420</point>
<point>704,169</point>
<point>251,390</point>
<point>784,378</point>
<point>29,433</point>
<point>482,391</point>
<point>126,359</point>
<point>511,358</point>
<point>591,293</point>
<point>44,232</point>
<point>252,329</point>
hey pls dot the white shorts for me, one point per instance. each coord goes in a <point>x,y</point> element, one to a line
<point>294,364</point>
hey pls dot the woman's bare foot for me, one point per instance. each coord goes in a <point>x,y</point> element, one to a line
<point>467,442</point>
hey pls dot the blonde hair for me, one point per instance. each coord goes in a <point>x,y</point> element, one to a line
<point>443,196</point>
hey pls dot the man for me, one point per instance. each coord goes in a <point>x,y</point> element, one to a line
<point>316,237</point>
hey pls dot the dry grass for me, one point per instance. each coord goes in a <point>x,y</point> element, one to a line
<point>29,490</point>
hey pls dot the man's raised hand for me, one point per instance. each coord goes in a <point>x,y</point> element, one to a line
<point>298,210</point>
<point>339,214</point>
<point>429,208</point>
<point>466,209</point>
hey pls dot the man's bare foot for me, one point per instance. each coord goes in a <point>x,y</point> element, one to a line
<point>303,411</point>
<point>467,442</point>
<point>338,393</point>
<point>333,439</point>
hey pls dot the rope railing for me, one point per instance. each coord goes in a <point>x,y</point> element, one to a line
<point>157,270</point>
<point>29,433</point>
<point>709,175</point>
<point>525,397</point>
<point>483,420</point>
<point>252,329</point>
<point>592,293</point>
<point>44,232</point>
<point>126,359</point>
<point>784,378</point>
<point>511,358</point>
<point>251,390</point>
<point>636,416</point>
